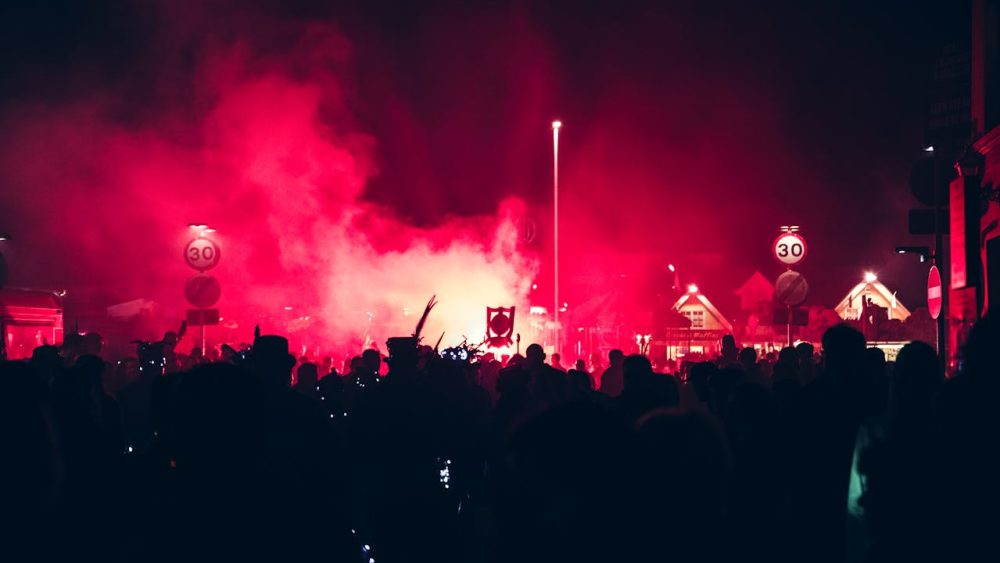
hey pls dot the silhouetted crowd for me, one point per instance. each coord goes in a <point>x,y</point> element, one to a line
<point>834,455</point>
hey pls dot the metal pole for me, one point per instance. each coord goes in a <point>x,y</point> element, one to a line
<point>942,327</point>
<point>555,230</point>
<point>789,327</point>
<point>204,355</point>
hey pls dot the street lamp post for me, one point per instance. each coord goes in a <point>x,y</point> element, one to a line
<point>556,125</point>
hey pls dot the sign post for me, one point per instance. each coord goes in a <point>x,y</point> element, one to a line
<point>790,289</point>
<point>202,291</point>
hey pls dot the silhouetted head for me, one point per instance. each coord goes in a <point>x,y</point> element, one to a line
<point>72,343</point>
<point>875,361</point>
<point>616,357</point>
<point>580,365</point>
<point>556,359</point>
<point>356,364</point>
<point>637,371</point>
<point>788,355</point>
<point>534,356</point>
<point>805,351</point>
<point>728,342</point>
<point>701,373</point>
<point>45,356</point>
<point>47,362</point>
<point>372,360</point>
<point>170,340</point>
<point>92,368</point>
<point>916,378</point>
<point>403,355</point>
<point>562,471</point>
<point>981,361</point>
<point>93,344</point>
<point>270,359</point>
<point>307,375</point>
<point>748,357</point>
<point>843,349</point>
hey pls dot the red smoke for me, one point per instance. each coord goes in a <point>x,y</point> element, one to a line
<point>329,165</point>
<point>261,146</point>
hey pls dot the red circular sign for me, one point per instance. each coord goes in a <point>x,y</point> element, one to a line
<point>202,254</point>
<point>934,292</point>
<point>789,248</point>
<point>202,291</point>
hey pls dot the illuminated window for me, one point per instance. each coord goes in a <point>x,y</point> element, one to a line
<point>697,318</point>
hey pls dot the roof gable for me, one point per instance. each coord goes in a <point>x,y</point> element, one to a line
<point>703,301</point>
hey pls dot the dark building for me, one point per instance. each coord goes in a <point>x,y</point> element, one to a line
<point>964,117</point>
<point>979,169</point>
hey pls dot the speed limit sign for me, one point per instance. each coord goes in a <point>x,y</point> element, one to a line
<point>201,254</point>
<point>789,248</point>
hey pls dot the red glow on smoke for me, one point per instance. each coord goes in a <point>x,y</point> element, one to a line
<point>263,149</point>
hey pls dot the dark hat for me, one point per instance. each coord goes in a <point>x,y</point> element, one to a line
<point>271,348</point>
<point>401,345</point>
<point>46,353</point>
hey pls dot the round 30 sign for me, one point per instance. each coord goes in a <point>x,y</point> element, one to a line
<point>201,254</point>
<point>789,248</point>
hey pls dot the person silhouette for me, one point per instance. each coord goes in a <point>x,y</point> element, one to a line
<point>557,361</point>
<point>34,472</point>
<point>371,362</point>
<point>548,384</point>
<point>613,378</point>
<point>560,474</point>
<point>301,449</point>
<point>969,422</point>
<point>748,360</point>
<point>730,353</point>
<point>681,468</point>
<point>823,423</point>
<point>307,380</point>
<point>643,390</point>
<point>891,512</point>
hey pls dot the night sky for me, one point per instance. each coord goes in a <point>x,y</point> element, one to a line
<point>691,130</point>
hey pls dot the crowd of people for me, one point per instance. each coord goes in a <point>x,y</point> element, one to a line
<point>830,455</point>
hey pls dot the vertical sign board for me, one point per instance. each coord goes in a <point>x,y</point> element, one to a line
<point>963,207</point>
<point>956,206</point>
